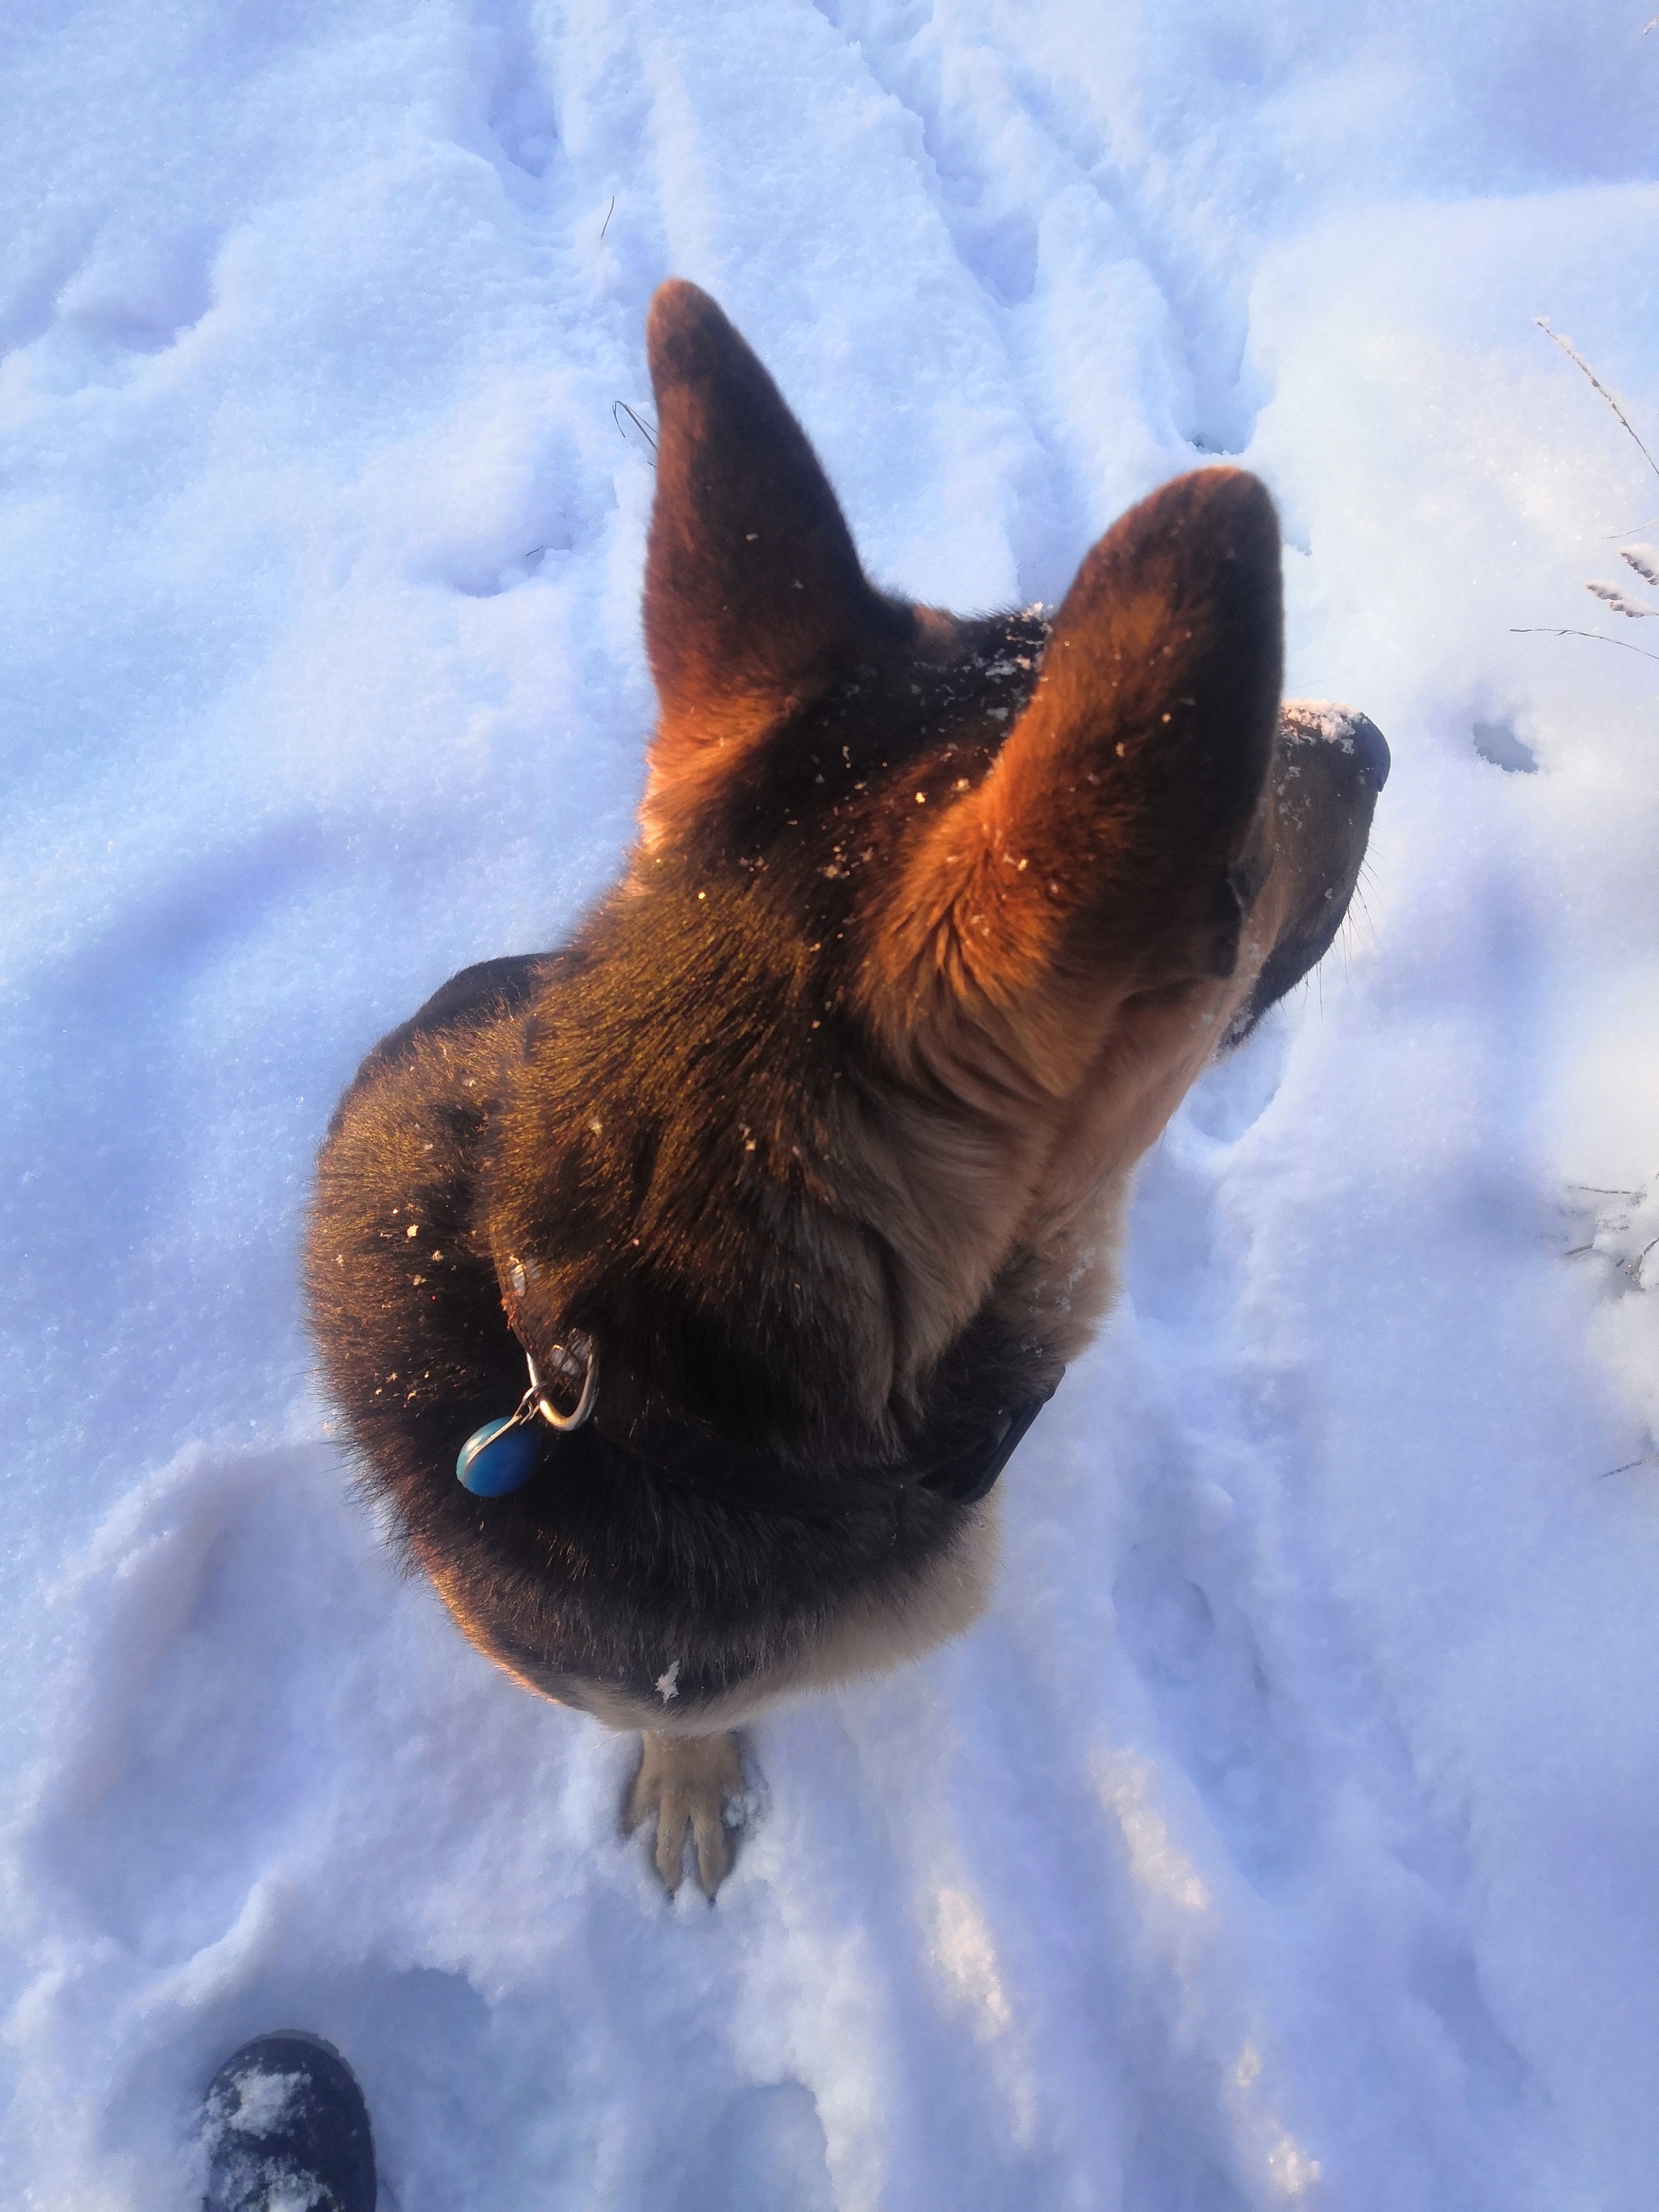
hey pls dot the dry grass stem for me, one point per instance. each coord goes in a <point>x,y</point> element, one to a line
<point>1610,596</point>
<point>1573,355</point>
<point>1601,637</point>
<point>619,408</point>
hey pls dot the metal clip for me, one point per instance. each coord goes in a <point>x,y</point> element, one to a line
<point>581,1356</point>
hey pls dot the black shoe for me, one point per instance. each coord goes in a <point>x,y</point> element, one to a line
<point>285,2125</point>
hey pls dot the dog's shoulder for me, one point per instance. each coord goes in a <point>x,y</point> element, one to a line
<point>399,1277</point>
<point>486,992</point>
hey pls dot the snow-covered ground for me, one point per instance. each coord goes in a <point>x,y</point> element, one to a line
<point>1290,1832</point>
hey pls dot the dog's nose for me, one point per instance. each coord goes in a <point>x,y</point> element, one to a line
<point>1371,748</point>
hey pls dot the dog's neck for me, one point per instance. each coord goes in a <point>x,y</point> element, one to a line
<point>955,1443</point>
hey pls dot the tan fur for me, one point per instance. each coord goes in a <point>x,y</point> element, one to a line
<point>685,1782</point>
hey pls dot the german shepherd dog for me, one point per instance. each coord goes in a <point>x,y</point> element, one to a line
<point>799,1173</point>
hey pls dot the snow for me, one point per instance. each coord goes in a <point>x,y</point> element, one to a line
<point>1286,1833</point>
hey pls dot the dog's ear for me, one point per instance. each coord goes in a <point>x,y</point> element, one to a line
<point>1109,849</point>
<point>755,601</point>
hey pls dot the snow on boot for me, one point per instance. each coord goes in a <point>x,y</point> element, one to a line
<point>286,2129</point>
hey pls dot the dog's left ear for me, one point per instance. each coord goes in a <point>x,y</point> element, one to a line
<point>755,602</point>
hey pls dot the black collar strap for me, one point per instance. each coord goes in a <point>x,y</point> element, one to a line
<point>964,1474</point>
<point>972,1475</point>
<point>501,1457</point>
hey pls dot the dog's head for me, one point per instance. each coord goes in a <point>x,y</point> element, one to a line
<point>932,923</point>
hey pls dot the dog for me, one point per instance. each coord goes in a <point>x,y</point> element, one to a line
<point>794,1180</point>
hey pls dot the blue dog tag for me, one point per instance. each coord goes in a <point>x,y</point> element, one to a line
<point>500,1457</point>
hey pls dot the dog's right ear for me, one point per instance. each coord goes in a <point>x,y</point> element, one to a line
<point>755,602</point>
<point>1112,847</point>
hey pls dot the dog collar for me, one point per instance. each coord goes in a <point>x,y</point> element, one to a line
<point>971,1475</point>
<point>503,1455</point>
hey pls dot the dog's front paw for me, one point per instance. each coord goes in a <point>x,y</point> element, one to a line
<point>685,1780</point>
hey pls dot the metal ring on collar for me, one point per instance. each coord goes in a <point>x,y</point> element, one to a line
<point>580,1347</point>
